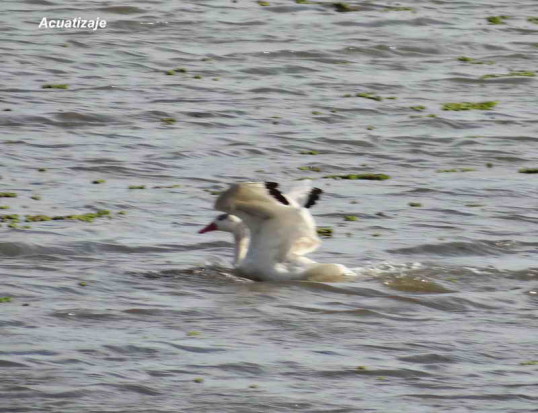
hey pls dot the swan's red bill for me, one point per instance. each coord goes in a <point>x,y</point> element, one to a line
<point>210,227</point>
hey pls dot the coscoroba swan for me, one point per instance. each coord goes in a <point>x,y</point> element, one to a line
<point>281,233</point>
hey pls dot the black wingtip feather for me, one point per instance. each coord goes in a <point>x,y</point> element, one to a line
<point>275,193</point>
<point>313,197</point>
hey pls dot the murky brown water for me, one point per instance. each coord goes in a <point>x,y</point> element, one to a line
<point>136,312</point>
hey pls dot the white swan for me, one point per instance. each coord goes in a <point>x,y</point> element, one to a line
<point>301,196</point>
<point>281,231</point>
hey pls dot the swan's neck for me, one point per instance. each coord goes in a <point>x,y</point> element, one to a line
<point>242,240</point>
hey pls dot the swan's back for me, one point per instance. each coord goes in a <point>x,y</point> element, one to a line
<point>276,229</point>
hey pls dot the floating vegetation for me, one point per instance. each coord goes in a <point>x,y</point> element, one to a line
<point>199,379</point>
<point>181,70</point>
<point>528,171</point>
<point>42,170</point>
<point>489,165</point>
<point>55,86</point>
<point>362,368</point>
<point>166,186</point>
<point>170,72</point>
<point>418,108</point>
<point>5,299</point>
<point>470,105</point>
<point>431,115</point>
<point>194,333</point>
<point>137,186</point>
<point>168,121</point>
<point>474,205</point>
<point>83,283</point>
<point>316,113</point>
<point>368,95</point>
<point>98,181</point>
<point>198,77</point>
<point>344,7</point>
<point>399,9</point>
<point>533,20</point>
<point>497,19</point>
<point>325,231</point>
<point>4,207</point>
<point>311,152</point>
<point>456,170</point>
<point>87,217</point>
<point>522,73</point>
<point>415,204</point>
<point>370,127</point>
<point>367,176</point>
<point>309,168</point>
<point>36,197</point>
<point>475,61</point>
<point>10,218</point>
<point>351,218</point>
<point>8,195</point>
<point>523,363</point>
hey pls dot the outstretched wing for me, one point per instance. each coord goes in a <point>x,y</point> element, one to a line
<point>303,194</point>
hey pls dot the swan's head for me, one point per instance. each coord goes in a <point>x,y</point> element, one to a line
<point>224,222</point>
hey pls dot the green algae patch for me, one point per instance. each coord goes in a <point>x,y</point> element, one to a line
<point>55,86</point>
<point>524,363</point>
<point>98,181</point>
<point>8,195</point>
<point>309,168</point>
<point>418,108</point>
<point>5,299</point>
<point>4,207</point>
<point>37,218</point>
<point>368,95</point>
<point>303,2</point>
<point>137,186</point>
<point>264,3</point>
<point>88,217</point>
<point>370,127</point>
<point>344,7</point>
<point>457,106</point>
<point>497,19</point>
<point>325,231</point>
<point>351,218</point>
<point>367,176</point>
<point>170,72</point>
<point>180,70</point>
<point>528,171</point>
<point>168,121</point>
<point>10,218</point>
<point>521,73</point>
<point>42,170</point>
<point>167,186</point>
<point>456,170</point>
<point>316,113</point>
<point>36,197</point>
<point>475,61</point>
<point>312,152</point>
<point>83,283</point>
<point>197,77</point>
<point>399,9</point>
<point>194,333</point>
<point>199,379</point>
<point>533,20</point>
<point>415,204</point>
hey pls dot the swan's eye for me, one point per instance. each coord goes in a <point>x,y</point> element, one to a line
<point>222,217</point>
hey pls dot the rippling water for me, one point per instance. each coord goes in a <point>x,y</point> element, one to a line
<point>136,312</point>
